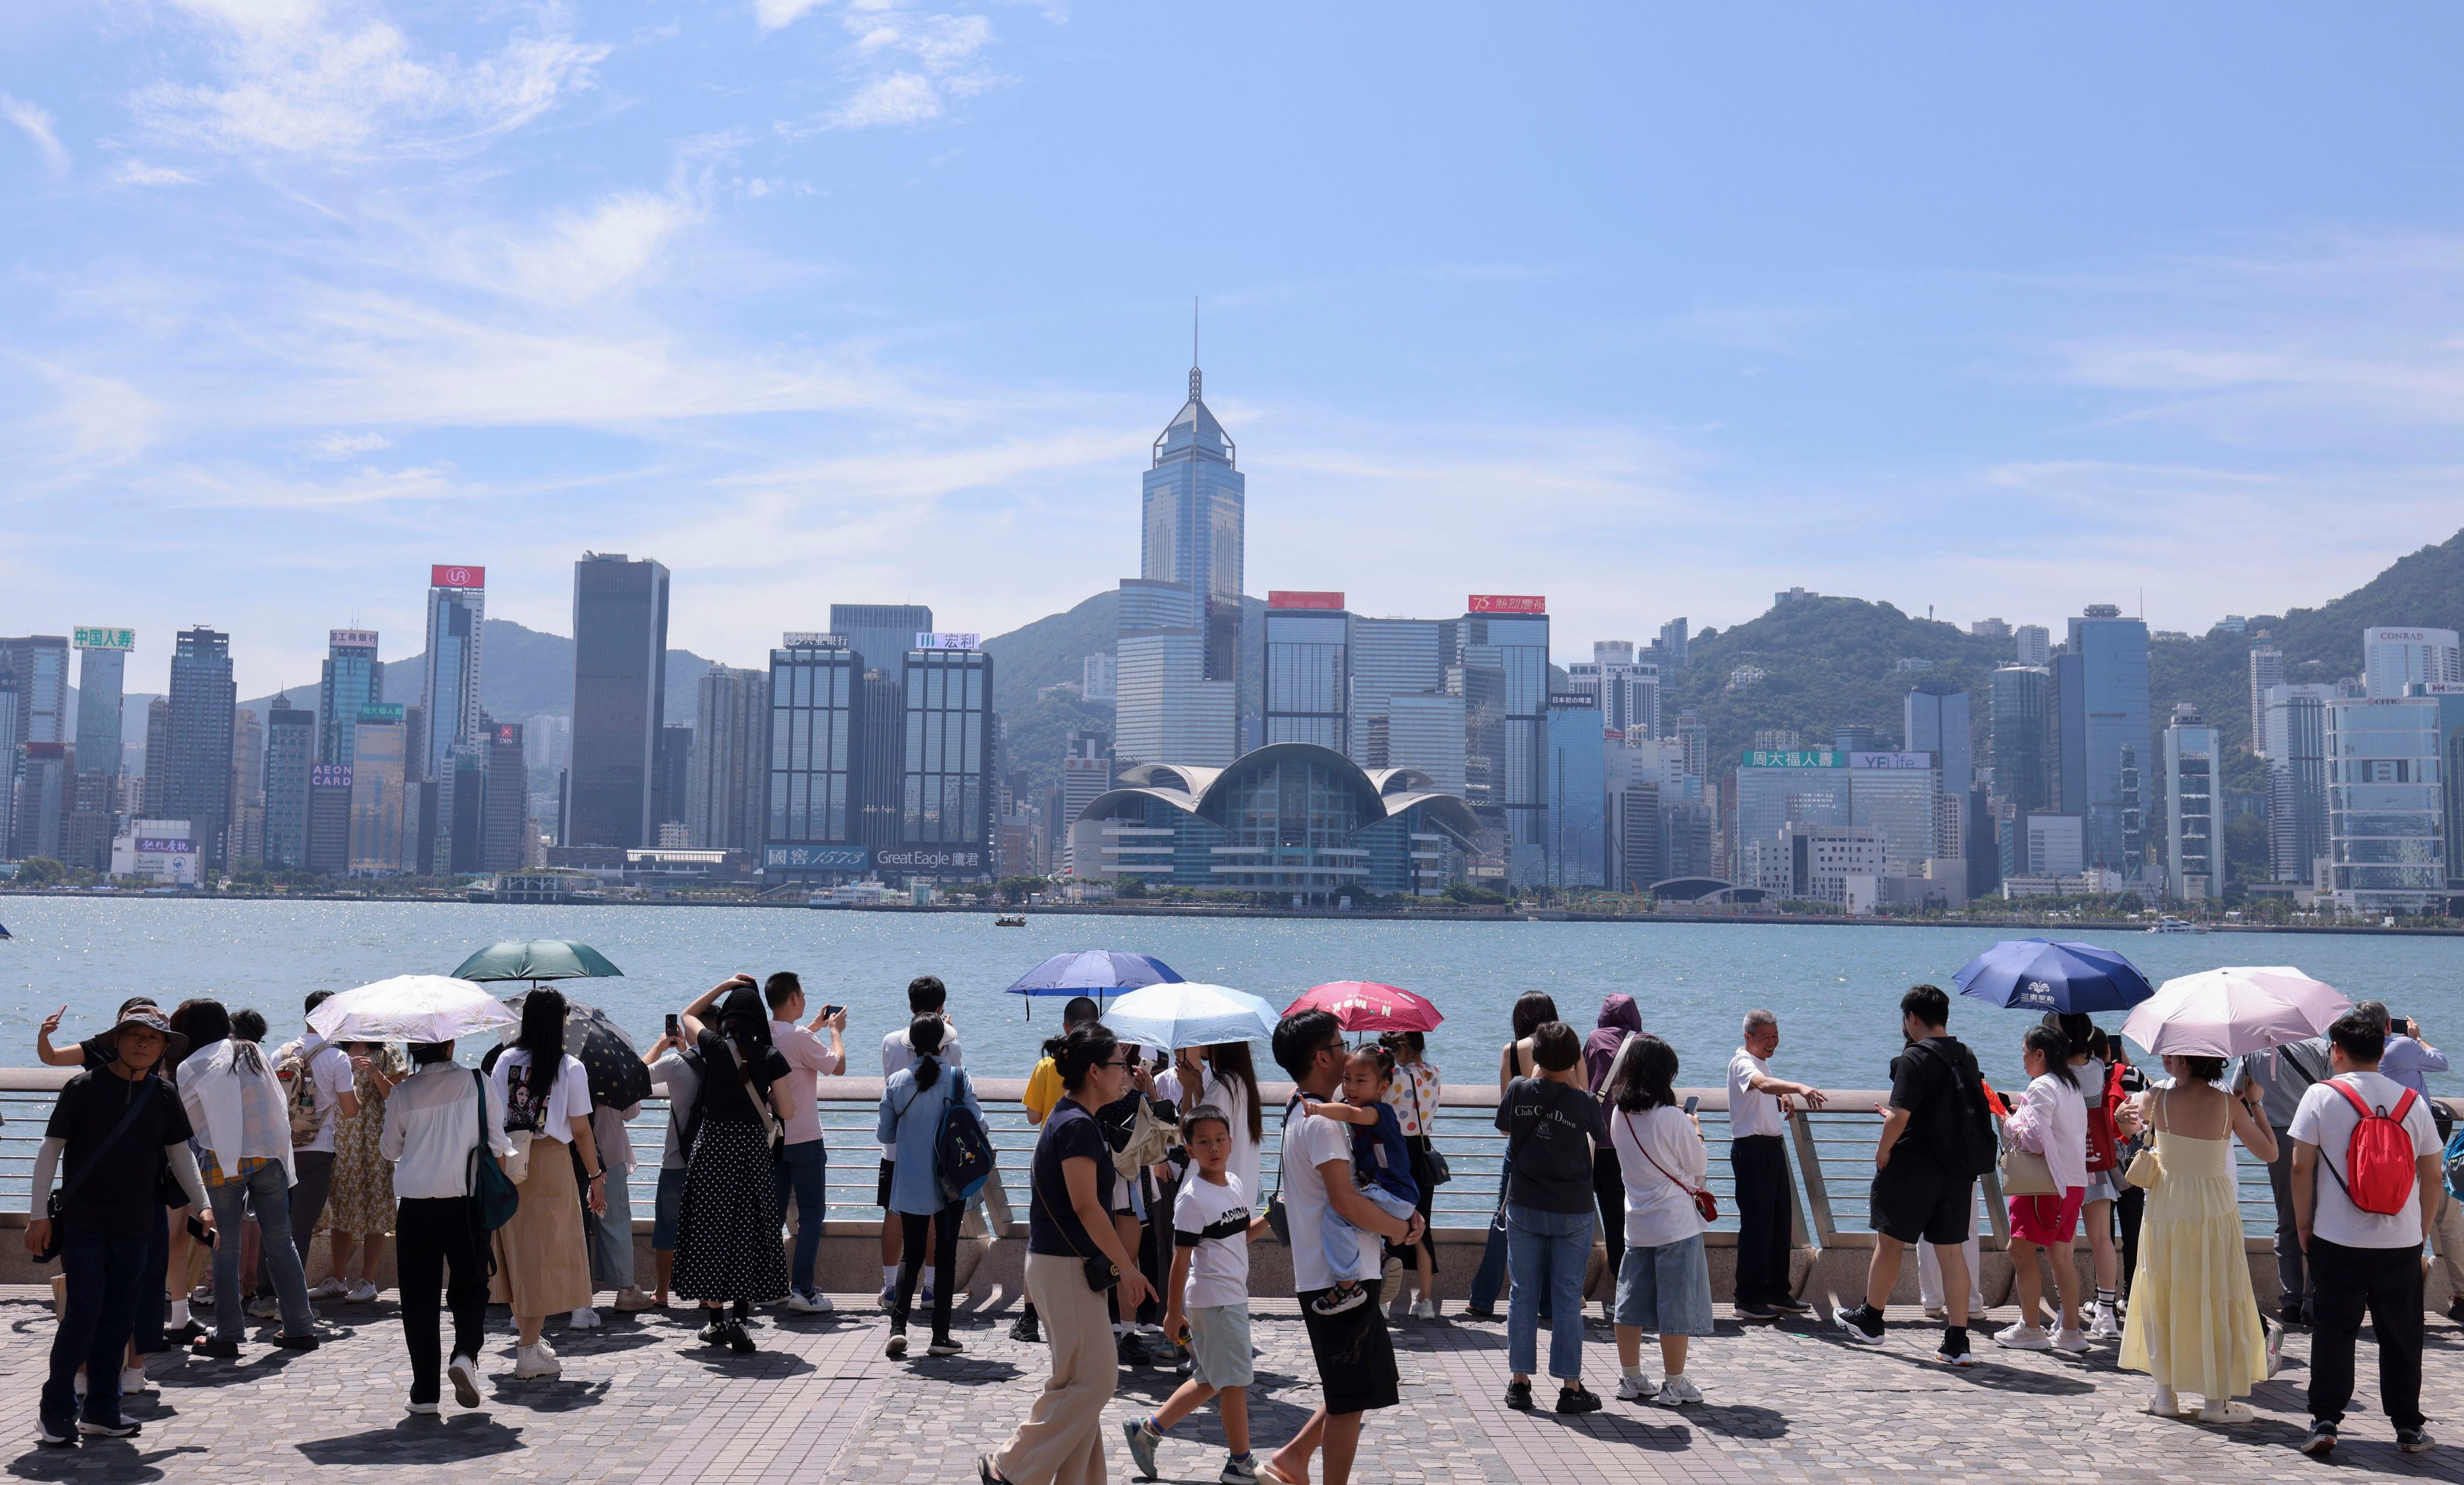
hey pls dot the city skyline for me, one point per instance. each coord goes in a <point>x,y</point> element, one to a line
<point>534,289</point>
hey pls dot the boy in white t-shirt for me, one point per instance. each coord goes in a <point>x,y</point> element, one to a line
<point>1213,1227</point>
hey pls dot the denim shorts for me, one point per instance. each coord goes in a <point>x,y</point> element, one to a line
<point>672,1205</point>
<point>1666,1290</point>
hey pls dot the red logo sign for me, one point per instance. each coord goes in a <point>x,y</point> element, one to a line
<point>445,577</point>
<point>1505,604</point>
<point>504,732</point>
<point>1285,598</point>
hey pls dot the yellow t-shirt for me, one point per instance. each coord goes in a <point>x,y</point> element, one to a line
<point>1043,1090</point>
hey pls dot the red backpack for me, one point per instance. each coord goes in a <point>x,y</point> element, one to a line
<point>2379,1156</point>
<point>2103,1147</point>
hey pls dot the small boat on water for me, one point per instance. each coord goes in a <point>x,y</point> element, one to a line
<point>2169,925</point>
<point>1018,922</point>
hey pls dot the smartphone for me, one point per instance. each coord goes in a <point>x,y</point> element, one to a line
<point>829,1011</point>
<point>200,1232</point>
<point>675,1027</point>
<point>1691,1100</point>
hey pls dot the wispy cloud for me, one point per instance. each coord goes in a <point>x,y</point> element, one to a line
<point>36,122</point>
<point>903,66</point>
<point>346,445</point>
<point>137,173</point>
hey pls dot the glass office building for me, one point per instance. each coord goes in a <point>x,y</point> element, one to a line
<point>2193,820</point>
<point>880,632</point>
<point>1194,516</point>
<point>813,758</point>
<point>2101,719</point>
<point>1807,786</point>
<point>2386,804</point>
<point>1899,794</point>
<point>198,787</point>
<point>1503,659</point>
<point>948,778</point>
<point>620,695</point>
<point>1308,675</point>
<point>290,751</point>
<point>353,678</point>
<point>1577,775</point>
<point>2295,741</point>
<point>2018,701</point>
<point>449,690</point>
<point>102,662</point>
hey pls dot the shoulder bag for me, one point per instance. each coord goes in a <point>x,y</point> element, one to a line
<point>1278,1215</point>
<point>1102,1273</point>
<point>493,1196</point>
<point>2146,1170</point>
<point>94,1161</point>
<point>1707,1205</point>
<point>1428,1162</point>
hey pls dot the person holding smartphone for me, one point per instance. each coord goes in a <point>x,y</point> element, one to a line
<point>805,1164</point>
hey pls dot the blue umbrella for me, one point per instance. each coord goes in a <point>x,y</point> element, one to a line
<point>1095,972</point>
<point>2039,974</point>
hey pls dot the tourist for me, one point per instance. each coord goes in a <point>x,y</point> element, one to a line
<point>926,995</point>
<point>1142,1127</point>
<point>248,1024</point>
<point>1207,1298</point>
<point>359,1208</point>
<point>2406,1061</point>
<point>1072,1189</point>
<point>2279,1077</point>
<point>1354,1353</point>
<point>318,1079</point>
<point>1664,1279</point>
<point>2132,1207</point>
<point>543,1265</point>
<point>2090,1064</point>
<point>1532,1009</point>
<point>913,1102</point>
<point>95,1052</point>
<point>433,1123</point>
<point>1381,1163</point>
<point>806,1164</point>
<point>608,1231</point>
<point>2362,1260</point>
<point>1414,1094</point>
<point>727,1234</point>
<point>237,1113</point>
<point>1619,1019</point>
<point>675,1070</point>
<point>1759,1105</point>
<point>1551,1123</point>
<point>1042,1092</point>
<point>2051,1121</point>
<point>1936,1139</point>
<point>100,1129</point>
<point>180,1259</point>
<point>2194,1324</point>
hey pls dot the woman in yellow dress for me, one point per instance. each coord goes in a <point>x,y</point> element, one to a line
<point>2194,1324</point>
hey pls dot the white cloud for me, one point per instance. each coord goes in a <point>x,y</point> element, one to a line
<point>586,254</point>
<point>905,65</point>
<point>137,173</point>
<point>343,445</point>
<point>36,120</point>
<point>94,420</point>
<point>901,98</point>
<point>772,14</point>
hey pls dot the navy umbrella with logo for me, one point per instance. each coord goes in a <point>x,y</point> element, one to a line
<point>2040,975</point>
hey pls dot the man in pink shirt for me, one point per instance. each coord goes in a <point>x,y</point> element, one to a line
<point>805,1170</point>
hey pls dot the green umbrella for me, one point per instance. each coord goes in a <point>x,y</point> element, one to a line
<point>535,960</point>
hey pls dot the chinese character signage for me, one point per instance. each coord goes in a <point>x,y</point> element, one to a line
<point>1890,760</point>
<point>381,711</point>
<point>1506,603</point>
<point>448,575</point>
<point>817,857</point>
<point>90,637</point>
<point>939,640</point>
<point>352,639</point>
<point>930,858</point>
<point>165,846</point>
<point>1285,598</point>
<point>811,639</point>
<point>1796,757</point>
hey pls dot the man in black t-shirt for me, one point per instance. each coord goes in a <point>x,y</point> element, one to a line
<point>95,1052</point>
<point>1917,1196</point>
<point>109,1134</point>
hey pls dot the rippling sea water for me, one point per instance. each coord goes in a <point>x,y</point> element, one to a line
<point>1835,987</point>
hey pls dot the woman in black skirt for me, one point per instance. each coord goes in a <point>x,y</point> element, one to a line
<point>727,1234</point>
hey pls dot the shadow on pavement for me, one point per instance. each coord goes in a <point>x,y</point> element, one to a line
<point>547,1394</point>
<point>464,1436</point>
<point>111,1459</point>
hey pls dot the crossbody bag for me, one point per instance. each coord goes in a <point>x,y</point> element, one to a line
<point>1707,1205</point>
<point>1429,1166</point>
<point>60,1198</point>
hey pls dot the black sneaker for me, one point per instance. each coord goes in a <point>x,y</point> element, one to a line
<point>715,1333</point>
<point>2292,1315</point>
<point>944,1345</point>
<point>1790,1305</point>
<point>1025,1328</point>
<point>1863,1324</point>
<point>1577,1399</point>
<point>297,1343</point>
<point>1953,1350</point>
<point>2414,1441</point>
<point>1518,1396</point>
<point>738,1338</point>
<point>2322,1440</point>
<point>55,1435</point>
<point>1755,1309</point>
<point>217,1347</point>
<point>1127,1350</point>
<point>1480,1312</point>
<point>124,1429</point>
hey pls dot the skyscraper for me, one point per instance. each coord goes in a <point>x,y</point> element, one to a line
<point>11,752</point>
<point>158,759</point>
<point>1171,709</point>
<point>620,644</point>
<point>1901,796</point>
<point>1309,670</point>
<point>880,632</point>
<point>449,690</point>
<point>2385,808</point>
<point>353,679</point>
<point>726,792</point>
<point>2101,719</point>
<point>2193,823</point>
<point>248,787</point>
<point>2395,657</point>
<point>2294,739</point>
<point>1577,797</point>
<point>290,753</point>
<point>1627,689</point>
<point>2034,642</point>
<point>1934,719</point>
<point>102,659</point>
<point>384,823</point>
<point>947,780</point>
<point>814,754</point>
<point>1193,516</point>
<point>1086,776</point>
<point>2019,700</point>
<point>1504,657</point>
<point>670,776</point>
<point>198,788</point>
<point>505,836</point>
<point>40,663</point>
<point>1780,787</point>
<point>2266,669</point>
<point>1391,658</point>
<point>1672,644</point>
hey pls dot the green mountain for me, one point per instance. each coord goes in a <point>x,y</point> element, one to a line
<point>523,673</point>
<point>1048,651</point>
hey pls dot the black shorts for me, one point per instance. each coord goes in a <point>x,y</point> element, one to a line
<point>881,1192</point>
<point>1915,1200</point>
<point>1354,1354</point>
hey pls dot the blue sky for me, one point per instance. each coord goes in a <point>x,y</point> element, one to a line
<point>1651,309</point>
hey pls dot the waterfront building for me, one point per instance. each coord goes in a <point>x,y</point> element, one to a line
<point>1643,776</point>
<point>87,830</point>
<point>729,783</point>
<point>1578,800</point>
<point>2448,699</point>
<point>620,690</point>
<point>2266,669</point>
<point>1286,821</point>
<point>1099,678</point>
<point>815,826</point>
<point>9,756</point>
<point>1805,861</point>
<point>1502,659</point>
<point>353,678</point>
<point>1085,776</point>
<point>2295,736</point>
<point>505,833</point>
<point>156,780</point>
<point>449,688</point>
<point>1627,689</point>
<point>881,632</point>
<point>164,851</point>
<point>2387,805</point>
<point>248,787</point>
<point>671,775</point>
<point>1400,657</point>
<point>2193,825</point>
<point>2056,847</point>
<point>290,753</point>
<point>40,666</point>
<point>946,783</point>
<point>2033,643</point>
<point>1776,787</point>
<point>1308,669</point>
<point>1171,705</point>
<point>329,816</point>
<point>1427,732</point>
<point>46,788</point>
<point>197,786</point>
<point>2021,698</point>
<point>1193,517</point>
<point>102,660</point>
<point>2395,657</point>
<point>2103,740</point>
<point>1900,796</point>
<point>383,828</point>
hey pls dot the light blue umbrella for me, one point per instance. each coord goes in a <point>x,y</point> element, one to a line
<point>1183,1014</point>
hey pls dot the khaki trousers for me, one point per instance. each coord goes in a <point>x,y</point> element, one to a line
<point>1062,1441</point>
<point>2447,1237</point>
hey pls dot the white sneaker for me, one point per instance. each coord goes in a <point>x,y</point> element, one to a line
<point>265,1307</point>
<point>1633,1390</point>
<point>1424,1309</point>
<point>2104,1324</point>
<point>544,1349</point>
<point>1935,1312</point>
<point>203,1293</point>
<point>1675,1392</point>
<point>888,1296</point>
<point>584,1319</point>
<point>463,1372</point>
<point>132,1381</point>
<point>2073,1341</point>
<point>329,1288</point>
<point>424,1410</point>
<point>2023,1337</point>
<point>364,1292</point>
<point>808,1302</point>
<point>535,1361</point>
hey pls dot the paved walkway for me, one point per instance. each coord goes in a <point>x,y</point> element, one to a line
<point>641,1403</point>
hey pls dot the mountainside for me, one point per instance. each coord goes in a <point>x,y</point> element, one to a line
<point>523,674</point>
<point>2425,588</point>
<point>1048,651</point>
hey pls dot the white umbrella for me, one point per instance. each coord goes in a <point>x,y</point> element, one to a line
<point>411,1007</point>
<point>1183,1014</point>
<point>2231,1011</point>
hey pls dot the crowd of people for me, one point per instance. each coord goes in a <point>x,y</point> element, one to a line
<point>508,1185</point>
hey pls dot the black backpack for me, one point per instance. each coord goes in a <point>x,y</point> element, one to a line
<point>1960,1126</point>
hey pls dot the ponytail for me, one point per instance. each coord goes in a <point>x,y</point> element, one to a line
<point>924,1039</point>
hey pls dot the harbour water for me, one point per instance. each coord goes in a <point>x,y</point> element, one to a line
<point>1834,987</point>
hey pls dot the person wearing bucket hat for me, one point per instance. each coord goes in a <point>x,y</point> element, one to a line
<point>99,1131</point>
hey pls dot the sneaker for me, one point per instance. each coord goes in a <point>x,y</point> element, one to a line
<point>424,1410</point>
<point>584,1319</point>
<point>945,1345</point>
<point>264,1307</point>
<point>132,1381</point>
<point>1953,1350</point>
<point>2322,1440</point>
<point>306,1343</point>
<point>1424,1309</point>
<point>1142,1447</point>
<point>1675,1392</point>
<point>896,1346</point>
<point>329,1288</point>
<point>1935,1312</point>
<point>1128,1349</point>
<point>738,1338</point>
<point>535,1361</point>
<point>1480,1312</point>
<point>1755,1309</point>
<point>2414,1441</point>
<point>1025,1328</point>
<point>463,1371</point>
<point>715,1333</point>
<point>1863,1324</point>
<point>203,1295</point>
<point>1633,1390</point>
<point>2073,1341</point>
<point>1518,1396</point>
<point>2104,1324</point>
<point>888,1299</point>
<point>124,1429</point>
<point>364,1292</point>
<point>2022,1336</point>
<point>630,1300</point>
<point>1339,1298</point>
<point>217,1347</point>
<point>1577,1399</point>
<point>55,1435</point>
<point>1240,1472</point>
<point>1790,1305</point>
<point>808,1302</point>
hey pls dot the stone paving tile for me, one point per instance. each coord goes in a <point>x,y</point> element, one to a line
<point>641,1403</point>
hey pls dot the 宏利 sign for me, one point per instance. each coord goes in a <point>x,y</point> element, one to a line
<point>1286,598</point>
<point>1796,757</point>
<point>1506,603</point>
<point>949,640</point>
<point>449,576</point>
<point>90,637</point>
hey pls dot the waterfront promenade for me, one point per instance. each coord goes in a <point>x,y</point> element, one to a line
<point>641,1403</point>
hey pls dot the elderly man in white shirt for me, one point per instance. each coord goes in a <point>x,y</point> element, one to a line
<point>1758,1106</point>
<point>433,1123</point>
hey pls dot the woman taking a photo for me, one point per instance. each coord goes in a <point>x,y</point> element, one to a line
<point>912,1104</point>
<point>1070,1222</point>
<point>726,1234</point>
<point>542,1268</point>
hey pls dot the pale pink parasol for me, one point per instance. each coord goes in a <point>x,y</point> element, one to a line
<point>2231,1011</point>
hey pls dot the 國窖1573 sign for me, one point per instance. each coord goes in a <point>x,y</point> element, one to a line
<point>1506,603</point>
<point>91,638</point>
<point>450,576</point>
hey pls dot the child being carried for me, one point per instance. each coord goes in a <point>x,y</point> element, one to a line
<point>1381,1168</point>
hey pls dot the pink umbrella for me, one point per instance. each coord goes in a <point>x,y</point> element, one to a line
<point>1358,1005</point>
<point>2231,1011</point>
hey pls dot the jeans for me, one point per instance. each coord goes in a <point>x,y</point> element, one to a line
<point>1548,1252</point>
<point>430,1233</point>
<point>2293,1284</point>
<point>2345,1282</point>
<point>805,1172</point>
<point>610,1237</point>
<point>1760,1164</point>
<point>305,1199</point>
<point>106,1278</point>
<point>944,1229</point>
<point>268,1188</point>
<point>1341,1241</point>
<point>148,1316</point>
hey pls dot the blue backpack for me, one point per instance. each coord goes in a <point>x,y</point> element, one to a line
<point>962,1149</point>
<point>2453,1159</point>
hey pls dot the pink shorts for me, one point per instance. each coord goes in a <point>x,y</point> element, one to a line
<point>2048,1221</point>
